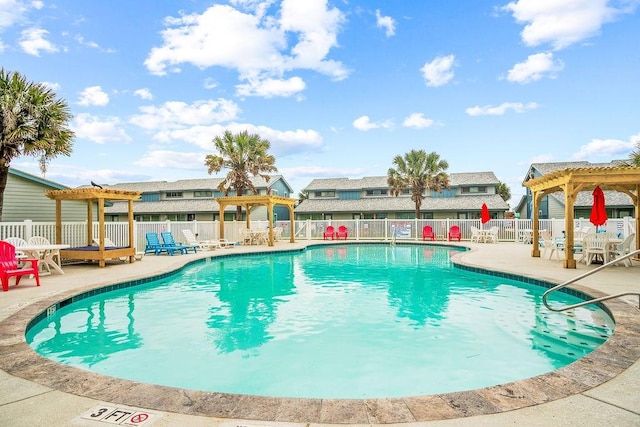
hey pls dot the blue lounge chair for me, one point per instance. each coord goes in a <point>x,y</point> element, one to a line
<point>169,242</point>
<point>154,245</point>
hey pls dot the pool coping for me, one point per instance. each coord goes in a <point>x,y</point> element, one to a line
<point>618,353</point>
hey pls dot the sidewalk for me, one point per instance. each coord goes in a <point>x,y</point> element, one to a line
<point>601,389</point>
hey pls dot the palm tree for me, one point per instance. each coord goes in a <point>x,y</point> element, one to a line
<point>504,191</point>
<point>33,122</point>
<point>418,172</point>
<point>634,156</point>
<point>302,196</point>
<point>243,154</point>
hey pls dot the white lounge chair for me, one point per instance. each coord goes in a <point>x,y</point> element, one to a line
<point>205,245</point>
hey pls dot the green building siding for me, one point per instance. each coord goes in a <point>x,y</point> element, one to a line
<point>24,199</point>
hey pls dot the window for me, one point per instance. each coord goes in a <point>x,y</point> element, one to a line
<point>174,194</point>
<point>378,192</point>
<point>474,189</point>
<point>325,194</point>
<point>191,217</point>
<point>203,194</point>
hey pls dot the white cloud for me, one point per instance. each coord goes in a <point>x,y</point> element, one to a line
<point>33,41</point>
<point>563,23</point>
<point>172,159</point>
<point>542,158</point>
<point>178,115</point>
<point>606,148</point>
<point>534,68</point>
<point>283,143</point>
<point>386,22</point>
<point>417,121</point>
<point>268,88</point>
<point>12,12</point>
<point>253,44</point>
<point>210,83</point>
<point>439,71</point>
<point>99,130</point>
<point>364,123</point>
<point>93,95</point>
<point>143,93</point>
<point>52,86</point>
<point>502,109</point>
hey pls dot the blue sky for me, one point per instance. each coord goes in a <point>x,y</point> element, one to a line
<point>338,87</point>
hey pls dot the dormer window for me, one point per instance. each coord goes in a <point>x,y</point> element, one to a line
<point>174,195</point>
<point>474,189</point>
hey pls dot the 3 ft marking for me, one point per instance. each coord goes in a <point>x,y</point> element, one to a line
<point>119,416</point>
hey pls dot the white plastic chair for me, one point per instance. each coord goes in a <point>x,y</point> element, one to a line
<point>205,245</point>
<point>17,242</point>
<point>593,245</point>
<point>623,249</point>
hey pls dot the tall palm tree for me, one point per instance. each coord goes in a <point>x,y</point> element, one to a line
<point>418,172</point>
<point>33,122</point>
<point>634,156</point>
<point>243,154</point>
<point>504,191</point>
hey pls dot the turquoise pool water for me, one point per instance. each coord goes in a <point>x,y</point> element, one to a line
<point>345,321</point>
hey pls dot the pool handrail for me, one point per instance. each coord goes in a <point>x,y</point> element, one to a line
<point>582,276</point>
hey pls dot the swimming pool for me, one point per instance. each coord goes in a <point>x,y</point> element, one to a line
<point>290,321</point>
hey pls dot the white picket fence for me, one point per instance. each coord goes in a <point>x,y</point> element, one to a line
<point>75,233</point>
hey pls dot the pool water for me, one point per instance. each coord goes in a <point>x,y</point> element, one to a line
<point>344,321</point>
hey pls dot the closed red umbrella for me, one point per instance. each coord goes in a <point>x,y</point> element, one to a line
<point>598,211</point>
<point>484,214</point>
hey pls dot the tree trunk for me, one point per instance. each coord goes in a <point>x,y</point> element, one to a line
<point>238,213</point>
<point>4,175</point>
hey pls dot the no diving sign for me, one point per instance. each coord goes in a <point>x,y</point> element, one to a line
<point>119,416</point>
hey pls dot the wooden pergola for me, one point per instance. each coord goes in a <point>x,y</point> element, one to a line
<point>93,196</point>
<point>574,180</point>
<point>248,202</point>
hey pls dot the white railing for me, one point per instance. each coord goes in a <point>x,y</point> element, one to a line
<point>75,233</point>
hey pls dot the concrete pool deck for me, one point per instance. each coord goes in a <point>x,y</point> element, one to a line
<point>600,389</point>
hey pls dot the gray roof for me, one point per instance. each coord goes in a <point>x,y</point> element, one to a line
<point>167,206</point>
<point>403,204</point>
<point>585,199</point>
<point>370,182</point>
<point>546,168</point>
<point>188,184</point>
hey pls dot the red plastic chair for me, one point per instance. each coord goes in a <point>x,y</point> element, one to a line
<point>427,233</point>
<point>342,232</point>
<point>9,266</point>
<point>329,232</point>
<point>454,233</point>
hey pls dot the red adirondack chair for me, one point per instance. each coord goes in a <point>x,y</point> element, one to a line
<point>454,233</point>
<point>9,266</point>
<point>427,233</point>
<point>329,232</point>
<point>342,232</point>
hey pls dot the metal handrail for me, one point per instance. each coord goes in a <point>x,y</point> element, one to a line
<point>582,276</point>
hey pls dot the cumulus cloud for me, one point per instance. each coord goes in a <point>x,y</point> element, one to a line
<point>13,11</point>
<point>33,41</point>
<point>99,130</point>
<point>417,121</point>
<point>386,22</point>
<point>262,48</point>
<point>563,23</point>
<point>606,148</point>
<point>177,114</point>
<point>439,71</point>
<point>171,159</point>
<point>143,93</point>
<point>268,88</point>
<point>502,109</point>
<point>93,95</point>
<point>364,123</point>
<point>534,68</point>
